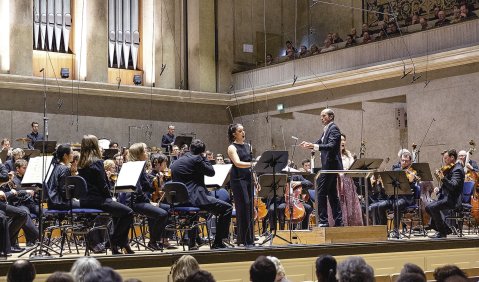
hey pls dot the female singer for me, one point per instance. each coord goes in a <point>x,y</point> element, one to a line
<point>348,197</point>
<point>56,186</point>
<point>140,202</point>
<point>98,196</point>
<point>241,183</point>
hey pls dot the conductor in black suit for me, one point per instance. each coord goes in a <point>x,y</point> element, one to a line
<point>329,145</point>
<point>191,169</point>
<point>452,182</point>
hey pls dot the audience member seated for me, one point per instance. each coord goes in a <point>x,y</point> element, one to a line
<point>350,41</point>
<point>327,46</point>
<point>354,269</point>
<point>21,271</point>
<point>59,276</point>
<point>436,12</point>
<point>456,15</point>
<point>314,49</point>
<point>103,274</point>
<point>183,267</point>
<point>423,23</point>
<point>410,277</point>
<point>415,19</point>
<point>290,50</point>
<point>269,59</point>
<point>280,273</point>
<point>354,33</point>
<point>392,29</point>
<point>303,53</point>
<point>442,21</point>
<point>449,273</point>
<point>466,13</point>
<point>413,268</point>
<point>200,276</point>
<point>262,270</point>
<point>367,38</point>
<point>336,38</point>
<point>365,28</point>
<point>326,268</point>
<point>82,266</point>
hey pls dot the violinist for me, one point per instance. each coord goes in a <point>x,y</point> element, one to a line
<point>140,202</point>
<point>452,177</point>
<point>403,201</point>
<point>111,171</point>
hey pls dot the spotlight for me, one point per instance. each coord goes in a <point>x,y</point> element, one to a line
<point>137,79</point>
<point>65,72</point>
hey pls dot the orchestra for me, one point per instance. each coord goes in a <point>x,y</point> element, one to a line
<point>191,165</point>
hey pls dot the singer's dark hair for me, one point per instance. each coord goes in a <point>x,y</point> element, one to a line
<point>61,150</point>
<point>231,130</point>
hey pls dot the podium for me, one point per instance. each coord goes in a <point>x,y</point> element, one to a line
<point>362,168</point>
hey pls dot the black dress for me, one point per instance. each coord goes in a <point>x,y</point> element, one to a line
<point>242,193</point>
<point>56,189</point>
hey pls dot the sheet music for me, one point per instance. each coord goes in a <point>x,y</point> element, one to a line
<point>129,174</point>
<point>222,173</point>
<point>34,174</point>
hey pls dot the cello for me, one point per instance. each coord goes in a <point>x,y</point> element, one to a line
<point>294,211</point>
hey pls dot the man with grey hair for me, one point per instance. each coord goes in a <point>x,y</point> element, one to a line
<point>83,266</point>
<point>471,165</point>
<point>329,144</point>
<point>354,269</point>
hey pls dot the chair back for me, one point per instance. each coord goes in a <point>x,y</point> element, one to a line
<point>80,189</point>
<point>467,190</point>
<point>176,193</point>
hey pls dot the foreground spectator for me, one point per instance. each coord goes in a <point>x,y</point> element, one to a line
<point>82,266</point>
<point>410,277</point>
<point>326,268</point>
<point>200,276</point>
<point>21,271</point>
<point>103,274</point>
<point>280,273</point>
<point>412,272</point>
<point>449,273</point>
<point>354,269</point>
<point>183,267</point>
<point>59,276</point>
<point>262,270</point>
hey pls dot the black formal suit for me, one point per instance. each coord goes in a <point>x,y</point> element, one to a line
<point>449,198</point>
<point>329,145</point>
<point>166,141</point>
<point>34,137</point>
<point>191,169</point>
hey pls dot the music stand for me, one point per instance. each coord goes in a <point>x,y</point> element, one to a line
<point>30,153</point>
<point>221,177</point>
<point>45,147</point>
<point>182,140</point>
<point>272,162</point>
<point>365,164</point>
<point>396,183</point>
<point>423,171</point>
<point>34,179</point>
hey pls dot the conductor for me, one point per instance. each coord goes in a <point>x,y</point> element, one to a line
<point>329,145</point>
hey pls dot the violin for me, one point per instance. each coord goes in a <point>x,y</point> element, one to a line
<point>439,173</point>
<point>158,195</point>
<point>411,175</point>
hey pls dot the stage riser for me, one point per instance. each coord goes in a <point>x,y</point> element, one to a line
<point>328,235</point>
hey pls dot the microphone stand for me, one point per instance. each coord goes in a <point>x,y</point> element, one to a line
<point>290,202</point>
<point>252,189</point>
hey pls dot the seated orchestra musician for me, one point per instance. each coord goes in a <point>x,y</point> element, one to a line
<point>139,200</point>
<point>12,219</point>
<point>379,208</point>
<point>471,164</point>
<point>56,188</point>
<point>452,177</point>
<point>191,169</point>
<point>17,154</point>
<point>91,168</point>
<point>34,136</point>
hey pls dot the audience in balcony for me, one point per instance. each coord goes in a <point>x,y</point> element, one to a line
<point>354,33</point>
<point>350,41</point>
<point>290,50</point>
<point>423,23</point>
<point>456,16</point>
<point>336,38</point>
<point>466,12</point>
<point>442,21</point>
<point>365,28</point>
<point>367,38</point>
<point>415,19</point>
<point>269,59</point>
<point>314,49</point>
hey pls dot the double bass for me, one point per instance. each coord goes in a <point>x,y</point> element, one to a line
<point>471,175</point>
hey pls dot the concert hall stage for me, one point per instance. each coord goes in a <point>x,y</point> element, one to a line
<point>387,257</point>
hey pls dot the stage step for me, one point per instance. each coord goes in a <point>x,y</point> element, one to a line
<point>330,235</point>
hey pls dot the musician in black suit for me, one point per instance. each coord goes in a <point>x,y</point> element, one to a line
<point>168,139</point>
<point>98,195</point>
<point>34,136</point>
<point>450,193</point>
<point>11,218</point>
<point>329,144</point>
<point>191,169</point>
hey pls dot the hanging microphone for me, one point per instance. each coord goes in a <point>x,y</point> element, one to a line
<point>294,137</point>
<point>59,103</point>
<point>294,80</point>
<point>426,83</point>
<point>414,77</point>
<point>119,81</point>
<point>42,69</point>
<point>405,73</point>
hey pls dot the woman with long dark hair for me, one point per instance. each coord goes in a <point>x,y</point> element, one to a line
<point>91,168</point>
<point>56,185</point>
<point>240,154</point>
